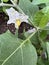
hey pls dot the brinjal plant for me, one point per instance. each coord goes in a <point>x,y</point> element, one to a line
<point>24,32</point>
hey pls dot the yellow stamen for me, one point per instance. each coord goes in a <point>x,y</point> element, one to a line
<point>18,22</point>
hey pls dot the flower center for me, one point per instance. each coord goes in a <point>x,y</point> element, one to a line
<point>18,22</point>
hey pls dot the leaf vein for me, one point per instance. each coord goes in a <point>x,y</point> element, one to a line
<point>18,48</point>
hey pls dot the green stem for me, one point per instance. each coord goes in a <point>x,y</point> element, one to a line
<point>1,1</point>
<point>16,6</point>
<point>12,5</point>
<point>3,4</point>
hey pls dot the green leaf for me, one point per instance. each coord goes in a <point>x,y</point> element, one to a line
<point>43,34</point>
<point>36,2</point>
<point>28,8</point>
<point>33,39</point>
<point>5,0</point>
<point>46,10</point>
<point>14,51</point>
<point>45,18</point>
<point>48,48</point>
<point>41,19</point>
<point>4,8</point>
<point>37,18</point>
<point>40,61</point>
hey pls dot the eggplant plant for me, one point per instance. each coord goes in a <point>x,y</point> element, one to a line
<point>24,32</point>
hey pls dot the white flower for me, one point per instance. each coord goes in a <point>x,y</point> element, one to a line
<point>16,17</point>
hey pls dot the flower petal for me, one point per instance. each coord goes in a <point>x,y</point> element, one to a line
<point>11,21</point>
<point>12,12</point>
<point>24,18</point>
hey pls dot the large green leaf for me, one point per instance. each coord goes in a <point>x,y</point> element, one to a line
<point>45,18</point>
<point>28,7</point>
<point>37,18</point>
<point>41,19</point>
<point>14,51</point>
<point>36,2</point>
